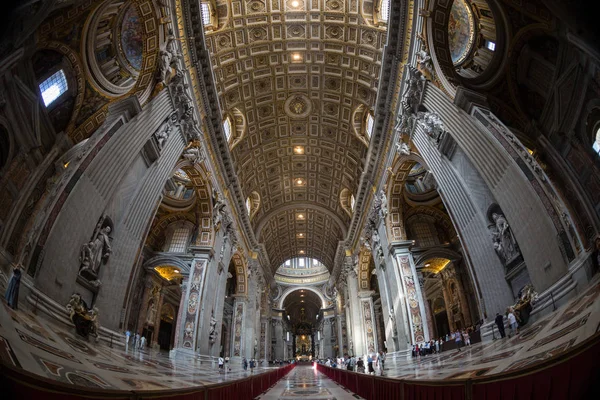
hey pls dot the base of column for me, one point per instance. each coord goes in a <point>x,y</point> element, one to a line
<point>399,355</point>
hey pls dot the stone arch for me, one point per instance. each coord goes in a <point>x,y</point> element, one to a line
<point>156,237</point>
<point>254,200</point>
<point>292,289</point>
<point>438,215</point>
<point>202,183</point>
<point>241,271</point>
<point>438,252</point>
<point>358,122</point>
<point>400,171</point>
<point>167,260</point>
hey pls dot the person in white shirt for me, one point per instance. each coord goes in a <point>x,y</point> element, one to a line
<point>142,342</point>
<point>512,322</point>
<point>221,362</point>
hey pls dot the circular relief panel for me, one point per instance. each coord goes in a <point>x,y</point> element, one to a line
<point>298,106</point>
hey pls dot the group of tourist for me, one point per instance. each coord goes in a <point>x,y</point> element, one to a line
<point>461,338</point>
<point>513,322</point>
<point>139,342</point>
<point>372,363</point>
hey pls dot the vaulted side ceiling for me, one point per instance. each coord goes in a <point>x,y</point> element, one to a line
<point>304,76</point>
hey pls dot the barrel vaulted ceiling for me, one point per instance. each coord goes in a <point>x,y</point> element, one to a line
<point>296,73</point>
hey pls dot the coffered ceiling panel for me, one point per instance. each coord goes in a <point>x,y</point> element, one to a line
<point>297,70</point>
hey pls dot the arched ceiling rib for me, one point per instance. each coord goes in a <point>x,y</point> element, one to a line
<point>297,75</point>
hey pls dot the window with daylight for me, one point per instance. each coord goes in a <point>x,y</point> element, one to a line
<point>53,87</point>
<point>596,145</point>
<point>227,128</point>
<point>490,45</point>
<point>352,202</point>
<point>370,122</point>
<point>179,240</point>
<point>385,10</point>
<point>248,205</point>
<point>205,14</point>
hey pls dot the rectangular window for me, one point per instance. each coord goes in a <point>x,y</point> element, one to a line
<point>596,147</point>
<point>205,14</point>
<point>490,45</point>
<point>370,122</point>
<point>301,262</point>
<point>227,129</point>
<point>385,10</point>
<point>179,240</point>
<point>53,87</point>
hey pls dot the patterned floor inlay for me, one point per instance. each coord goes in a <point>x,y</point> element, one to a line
<point>53,350</point>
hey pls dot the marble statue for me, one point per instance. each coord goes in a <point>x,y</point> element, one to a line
<point>504,242</point>
<point>193,155</point>
<point>432,124</point>
<point>85,319</point>
<point>402,148</point>
<point>393,322</point>
<point>212,333</point>
<point>163,134</point>
<point>95,253</point>
<point>218,211</point>
<point>383,210</point>
<point>424,59</point>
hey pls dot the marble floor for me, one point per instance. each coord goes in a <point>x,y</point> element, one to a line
<point>305,382</point>
<point>33,342</point>
<point>53,350</point>
<point>557,332</point>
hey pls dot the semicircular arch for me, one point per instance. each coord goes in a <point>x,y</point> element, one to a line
<point>292,289</point>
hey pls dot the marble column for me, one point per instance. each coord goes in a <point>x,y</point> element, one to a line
<point>357,336</point>
<point>414,298</point>
<point>428,318</point>
<point>180,312</point>
<point>188,332</point>
<point>239,307</point>
<point>328,336</point>
<point>368,321</point>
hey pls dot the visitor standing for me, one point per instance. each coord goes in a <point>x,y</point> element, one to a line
<point>466,337</point>
<point>458,340</point>
<point>370,364</point>
<point>382,360</point>
<point>512,322</point>
<point>245,364</point>
<point>500,324</point>
<point>360,365</point>
<point>221,364</point>
<point>127,336</point>
<point>12,291</point>
<point>137,340</point>
<point>227,367</point>
<point>142,342</point>
<point>134,343</point>
<point>252,364</point>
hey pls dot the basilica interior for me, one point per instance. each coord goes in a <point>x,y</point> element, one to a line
<point>289,181</point>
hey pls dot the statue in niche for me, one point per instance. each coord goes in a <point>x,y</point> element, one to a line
<point>424,59</point>
<point>212,333</point>
<point>218,210</point>
<point>163,134</point>
<point>96,252</point>
<point>383,210</point>
<point>505,244</point>
<point>393,322</point>
<point>151,312</point>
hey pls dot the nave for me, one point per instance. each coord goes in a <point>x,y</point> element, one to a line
<point>306,382</point>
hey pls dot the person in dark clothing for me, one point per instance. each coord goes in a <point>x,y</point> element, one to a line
<point>500,324</point>
<point>12,292</point>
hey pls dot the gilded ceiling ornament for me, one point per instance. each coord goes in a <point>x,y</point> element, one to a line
<point>298,106</point>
